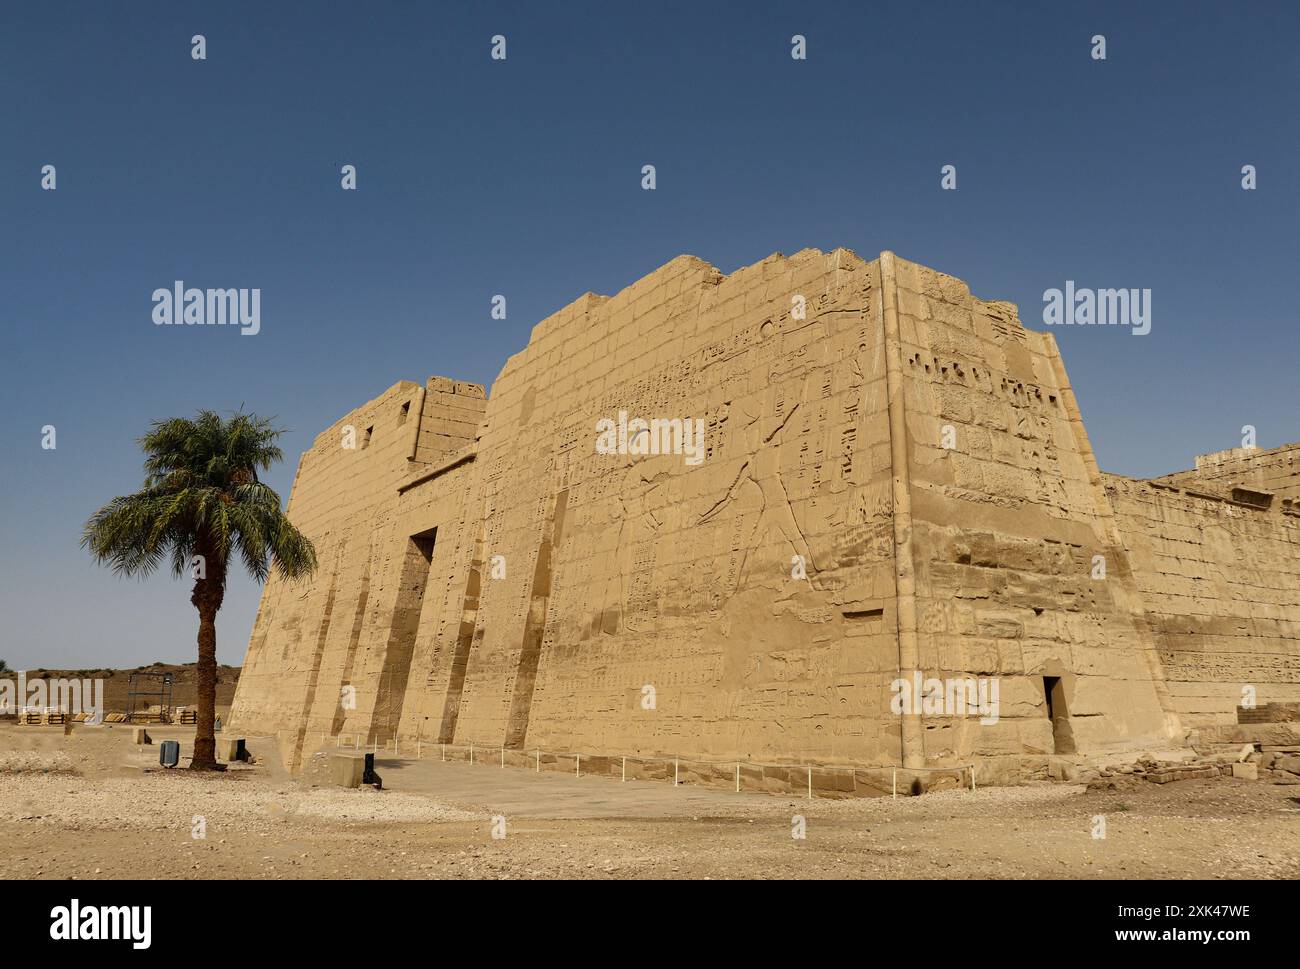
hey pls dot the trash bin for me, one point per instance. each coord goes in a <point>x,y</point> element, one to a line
<point>169,753</point>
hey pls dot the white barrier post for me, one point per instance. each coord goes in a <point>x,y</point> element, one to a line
<point>471,753</point>
<point>577,765</point>
<point>625,770</point>
<point>674,772</point>
<point>894,772</point>
<point>538,753</point>
<point>737,778</point>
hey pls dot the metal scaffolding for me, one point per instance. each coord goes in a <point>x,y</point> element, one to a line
<point>142,696</point>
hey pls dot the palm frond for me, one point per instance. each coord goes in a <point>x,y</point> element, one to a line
<point>201,495</point>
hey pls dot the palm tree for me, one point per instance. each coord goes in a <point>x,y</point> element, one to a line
<point>202,504</point>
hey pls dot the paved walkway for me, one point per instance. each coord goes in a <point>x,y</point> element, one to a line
<point>517,791</point>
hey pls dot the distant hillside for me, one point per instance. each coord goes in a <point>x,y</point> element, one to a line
<point>184,688</point>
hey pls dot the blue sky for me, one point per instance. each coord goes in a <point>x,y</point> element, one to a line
<point>522,178</point>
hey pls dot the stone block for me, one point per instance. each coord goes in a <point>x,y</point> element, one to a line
<point>231,749</point>
<point>1287,762</point>
<point>346,768</point>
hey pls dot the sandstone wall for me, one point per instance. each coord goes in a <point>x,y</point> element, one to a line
<point>314,637</point>
<point>623,575</point>
<point>1221,583</point>
<point>1276,471</point>
<point>1006,522</point>
<point>896,481</point>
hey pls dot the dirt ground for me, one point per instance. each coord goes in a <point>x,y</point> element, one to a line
<point>95,806</point>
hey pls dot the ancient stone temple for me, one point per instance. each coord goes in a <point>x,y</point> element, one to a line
<point>737,517</point>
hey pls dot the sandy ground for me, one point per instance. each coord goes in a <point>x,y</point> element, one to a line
<point>95,806</point>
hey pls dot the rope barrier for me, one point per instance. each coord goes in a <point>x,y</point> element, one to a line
<point>470,748</point>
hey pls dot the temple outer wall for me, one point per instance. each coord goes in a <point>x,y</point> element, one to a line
<point>487,577</point>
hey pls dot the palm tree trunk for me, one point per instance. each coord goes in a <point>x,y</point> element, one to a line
<point>205,742</point>
<point>208,593</point>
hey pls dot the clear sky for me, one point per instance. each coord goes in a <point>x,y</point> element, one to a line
<point>523,177</point>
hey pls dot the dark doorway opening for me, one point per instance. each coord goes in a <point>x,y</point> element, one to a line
<point>423,548</point>
<point>1058,712</point>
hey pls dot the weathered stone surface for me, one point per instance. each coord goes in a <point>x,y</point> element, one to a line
<point>1273,734</point>
<point>894,481</point>
<point>1220,586</point>
<point>1287,762</point>
<point>228,748</point>
<point>1188,773</point>
<point>347,768</point>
